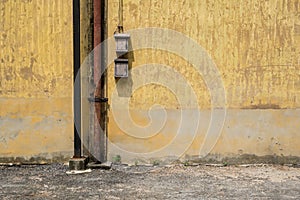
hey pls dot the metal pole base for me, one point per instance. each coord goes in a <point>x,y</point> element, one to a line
<point>78,163</point>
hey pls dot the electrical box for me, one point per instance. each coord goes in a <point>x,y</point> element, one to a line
<point>121,67</point>
<point>122,46</point>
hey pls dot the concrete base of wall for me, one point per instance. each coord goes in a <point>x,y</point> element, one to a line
<point>247,136</point>
<point>60,157</point>
<point>36,130</point>
<point>245,159</point>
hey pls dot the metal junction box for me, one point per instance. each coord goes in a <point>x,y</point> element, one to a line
<point>121,67</point>
<point>122,43</point>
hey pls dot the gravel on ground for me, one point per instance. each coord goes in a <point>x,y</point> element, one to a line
<point>151,182</point>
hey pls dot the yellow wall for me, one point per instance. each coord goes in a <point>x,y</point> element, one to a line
<point>255,45</point>
<point>256,48</point>
<point>36,51</point>
<point>36,76</point>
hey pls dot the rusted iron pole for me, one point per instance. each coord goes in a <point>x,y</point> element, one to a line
<point>99,143</point>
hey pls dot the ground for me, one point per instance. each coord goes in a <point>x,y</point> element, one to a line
<point>151,182</point>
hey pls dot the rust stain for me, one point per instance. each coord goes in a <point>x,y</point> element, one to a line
<point>26,72</point>
<point>297,29</point>
<point>263,106</point>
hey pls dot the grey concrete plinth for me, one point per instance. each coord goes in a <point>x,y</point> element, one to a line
<point>77,163</point>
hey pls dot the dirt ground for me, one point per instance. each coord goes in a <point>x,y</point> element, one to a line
<point>151,182</point>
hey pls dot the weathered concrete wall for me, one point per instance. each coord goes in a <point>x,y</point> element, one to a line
<point>36,75</point>
<point>255,46</point>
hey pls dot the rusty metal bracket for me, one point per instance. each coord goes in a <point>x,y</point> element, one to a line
<point>98,99</point>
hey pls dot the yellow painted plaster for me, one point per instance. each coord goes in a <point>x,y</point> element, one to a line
<point>36,76</point>
<point>255,45</point>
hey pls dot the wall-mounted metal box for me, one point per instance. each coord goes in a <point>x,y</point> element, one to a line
<point>122,43</point>
<point>121,67</point>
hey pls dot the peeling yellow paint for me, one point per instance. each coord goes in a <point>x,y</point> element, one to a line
<point>36,49</point>
<point>36,76</point>
<point>256,47</point>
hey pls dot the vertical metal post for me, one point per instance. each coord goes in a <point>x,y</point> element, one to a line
<point>120,25</point>
<point>99,81</point>
<point>77,79</point>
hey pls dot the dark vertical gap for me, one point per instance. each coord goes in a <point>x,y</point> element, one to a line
<point>76,79</point>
